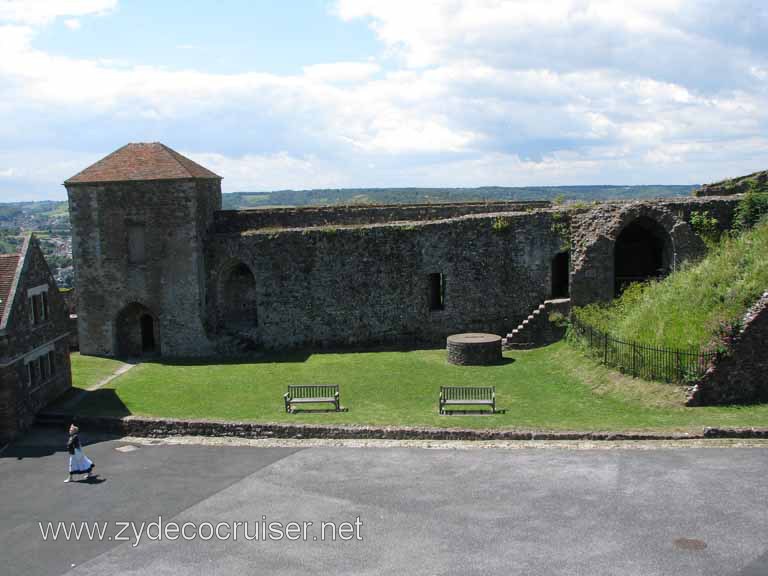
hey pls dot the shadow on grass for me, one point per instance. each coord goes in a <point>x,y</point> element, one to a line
<point>100,402</point>
<point>269,357</point>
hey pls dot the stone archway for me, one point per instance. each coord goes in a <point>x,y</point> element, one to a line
<point>661,237</point>
<point>237,298</point>
<point>137,331</point>
<point>642,251</point>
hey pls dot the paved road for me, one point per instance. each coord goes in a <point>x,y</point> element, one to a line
<point>532,512</point>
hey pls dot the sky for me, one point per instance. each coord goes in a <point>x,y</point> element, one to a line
<point>276,94</point>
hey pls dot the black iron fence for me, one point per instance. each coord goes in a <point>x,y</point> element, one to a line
<point>640,361</point>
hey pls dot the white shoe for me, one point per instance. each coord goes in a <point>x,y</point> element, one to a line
<point>68,480</point>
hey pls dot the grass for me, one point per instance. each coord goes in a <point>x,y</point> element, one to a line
<point>692,306</point>
<point>88,371</point>
<point>552,388</point>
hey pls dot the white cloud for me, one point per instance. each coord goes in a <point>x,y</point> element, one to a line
<point>341,71</point>
<point>72,23</point>
<point>479,92</point>
<point>37,12</point>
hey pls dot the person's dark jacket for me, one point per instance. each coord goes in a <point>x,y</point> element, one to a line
<point>73,443</point>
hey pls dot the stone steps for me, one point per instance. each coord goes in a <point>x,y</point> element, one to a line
<point>536,329</point>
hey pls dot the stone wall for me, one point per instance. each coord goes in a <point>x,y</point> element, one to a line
<point>171,220</point>
<point>335,276</point>
<point>739,377</point>
<point>370,284</point>
<point>230,221</point>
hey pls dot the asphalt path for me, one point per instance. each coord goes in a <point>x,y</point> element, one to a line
<point>681,511</point>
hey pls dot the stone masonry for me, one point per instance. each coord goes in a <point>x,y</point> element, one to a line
<point>34,345</point>
<point>160,268</point>
<point>740,376</point>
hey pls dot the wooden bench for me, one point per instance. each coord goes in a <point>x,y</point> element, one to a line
<point>467,396</point>
<point>311,394</point>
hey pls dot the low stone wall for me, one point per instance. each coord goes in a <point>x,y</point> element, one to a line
<point>739,377</point>
<point>164,428</point>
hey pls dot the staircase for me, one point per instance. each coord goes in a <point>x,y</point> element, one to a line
<point>537,330</point>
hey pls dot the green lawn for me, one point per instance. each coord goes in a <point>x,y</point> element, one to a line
<point>549,388</point>
<point>90,370</point>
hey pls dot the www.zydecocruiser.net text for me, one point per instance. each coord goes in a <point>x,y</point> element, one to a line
<point>262,530</point>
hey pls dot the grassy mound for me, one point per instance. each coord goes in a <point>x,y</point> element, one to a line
<point>695,306</point>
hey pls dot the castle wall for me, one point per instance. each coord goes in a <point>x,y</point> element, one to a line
<point>142,242</point>
<point>370,284</point>
<point>230,221</point>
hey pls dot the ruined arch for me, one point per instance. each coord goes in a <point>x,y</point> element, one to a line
<point>137,331</point>
<point>642,251</point>
<point>237,297</point>
<point>595,233</point>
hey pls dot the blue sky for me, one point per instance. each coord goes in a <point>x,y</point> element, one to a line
<point>364,93</point>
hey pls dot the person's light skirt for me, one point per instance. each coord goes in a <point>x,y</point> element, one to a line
<point>79,463</point>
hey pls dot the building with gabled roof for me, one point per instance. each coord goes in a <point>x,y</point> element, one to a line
<point>34,346</point>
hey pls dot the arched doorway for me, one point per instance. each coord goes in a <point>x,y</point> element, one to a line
<point>560,271</point>
<point>237,302</point>
<point>137,331</point>
<point>643,251</point>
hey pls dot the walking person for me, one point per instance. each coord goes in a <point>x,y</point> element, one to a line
<point>78,462</point>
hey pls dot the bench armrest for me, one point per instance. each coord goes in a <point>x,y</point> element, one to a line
<point>287,395</point>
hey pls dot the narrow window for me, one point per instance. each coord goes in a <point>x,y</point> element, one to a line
<point>31,306</point>
<point>36,306</point>
<point>44,305</point>
<point>436,291</point>
<point>30,374</point>
<point>136,243</point>
<point>43,368</point>
<point>52,362</point>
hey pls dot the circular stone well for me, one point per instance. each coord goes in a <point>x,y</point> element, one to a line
<point>474,349</point>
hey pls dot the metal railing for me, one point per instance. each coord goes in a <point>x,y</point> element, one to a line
<point>641,361</point>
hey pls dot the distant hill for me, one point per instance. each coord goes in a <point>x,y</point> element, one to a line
<point>326,196</point>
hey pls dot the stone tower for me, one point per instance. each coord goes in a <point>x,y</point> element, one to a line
<point>139,218</point>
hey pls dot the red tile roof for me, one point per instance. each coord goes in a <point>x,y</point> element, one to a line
<point>142,161</point>
<point>8,265</point>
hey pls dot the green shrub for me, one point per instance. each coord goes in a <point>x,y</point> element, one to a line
<point>706,227</point>
<point>750,209</point>
<point>500,223</point>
